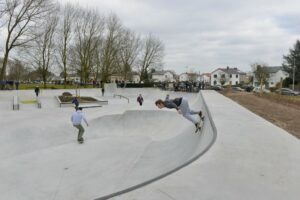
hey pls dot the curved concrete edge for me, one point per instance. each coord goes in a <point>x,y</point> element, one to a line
<point>194,158</point>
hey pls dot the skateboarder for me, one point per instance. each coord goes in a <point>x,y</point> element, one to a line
<point>182,107</point>
<point>76,103</point>
<point>140,99</point>
<point>76,119</point>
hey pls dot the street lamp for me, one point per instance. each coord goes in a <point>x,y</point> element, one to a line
<point>294,74</point>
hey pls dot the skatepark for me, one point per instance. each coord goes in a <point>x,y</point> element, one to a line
<point>134,152</point>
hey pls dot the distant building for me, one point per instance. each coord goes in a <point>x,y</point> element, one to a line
<point>135,77</point>
<point>205,78</point>
<point>116,77</point>
<point>163,76</point>
<point>275,75</point>
<point>227,76</point>
<point>189,77</point>
<point>74,78</point>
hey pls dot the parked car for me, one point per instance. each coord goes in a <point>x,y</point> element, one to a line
<point>238,89</point>
<point>258,90</point>
<point>216,87</point>
<point>248,88</point>
<point>287,91</point>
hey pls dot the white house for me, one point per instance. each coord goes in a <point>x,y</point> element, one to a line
<point>227,76</point>
<point>74,78</point>
<point>163,76</point>
<point>275,76</point>
<point>189,77</point>
<point>135,77</point>
<point>205,78</point>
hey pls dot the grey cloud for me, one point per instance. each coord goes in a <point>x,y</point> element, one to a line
<point>213,33</point>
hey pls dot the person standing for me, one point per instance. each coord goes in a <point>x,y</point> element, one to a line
<point>37,91</point>
<point>17,83</point>
<point>76,119</point>
<point>140,99</point>
<point>102,90</point>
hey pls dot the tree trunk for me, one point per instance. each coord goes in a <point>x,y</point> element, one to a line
<point>3,70</point>
<point>261,91</point>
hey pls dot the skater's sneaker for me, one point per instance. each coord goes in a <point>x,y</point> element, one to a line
<point>200,115</point>
<point>198,127</point>
<point>81,140</point>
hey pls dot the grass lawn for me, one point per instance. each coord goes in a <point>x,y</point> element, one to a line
<point>29,101</point>
<point>50,86</point>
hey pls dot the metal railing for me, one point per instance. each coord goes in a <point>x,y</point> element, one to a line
<point>121,96</point>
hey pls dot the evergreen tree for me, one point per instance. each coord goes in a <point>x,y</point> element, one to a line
<point>293,60</point>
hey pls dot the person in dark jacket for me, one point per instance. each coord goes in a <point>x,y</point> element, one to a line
<point>76,103</point>
<point>140,99</point>
<point>37,91</point>
<point>17,83</point>
<point>183,108</point>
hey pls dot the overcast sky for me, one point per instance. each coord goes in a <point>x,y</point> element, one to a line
<point>207,34</point>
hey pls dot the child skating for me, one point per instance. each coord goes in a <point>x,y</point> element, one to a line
<point>182,107</point>
<point>76,119</point>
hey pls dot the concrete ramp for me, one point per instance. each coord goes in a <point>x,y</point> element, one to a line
<point>121,153</point>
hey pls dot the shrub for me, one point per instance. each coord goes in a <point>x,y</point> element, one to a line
<point>66,94</point>
<point>139,85</point>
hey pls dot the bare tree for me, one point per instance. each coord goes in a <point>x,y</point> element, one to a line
<point>128,52</point>
<point>65,37</point>
<point>88,32</point>
<point>261,74</point>
<point>151,57</point>
<point>111,45</point>
<point>20,17</point>
<point>18,71</point>
<point>42,51</point>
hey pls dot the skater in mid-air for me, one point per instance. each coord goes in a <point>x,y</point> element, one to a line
<point>182,107</point>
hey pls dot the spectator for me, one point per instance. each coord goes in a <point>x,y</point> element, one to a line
<point>37,91</point>
<point>17,83</point>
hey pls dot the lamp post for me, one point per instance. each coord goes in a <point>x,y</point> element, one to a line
<point>294,74</point>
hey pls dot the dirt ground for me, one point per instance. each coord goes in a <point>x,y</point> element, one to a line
<point>279,113</point>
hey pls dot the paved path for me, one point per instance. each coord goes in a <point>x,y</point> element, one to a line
<point>251,159</point>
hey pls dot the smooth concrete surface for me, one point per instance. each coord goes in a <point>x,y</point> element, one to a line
<point>126,145</point>
<point>251,159</point>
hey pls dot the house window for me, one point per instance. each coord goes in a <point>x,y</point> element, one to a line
<point>237,76</point>
<point>230,82</point>
<point>230,76</point>
<point>236,82</point>
<point>215,76</point>
<point>215,82</point>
